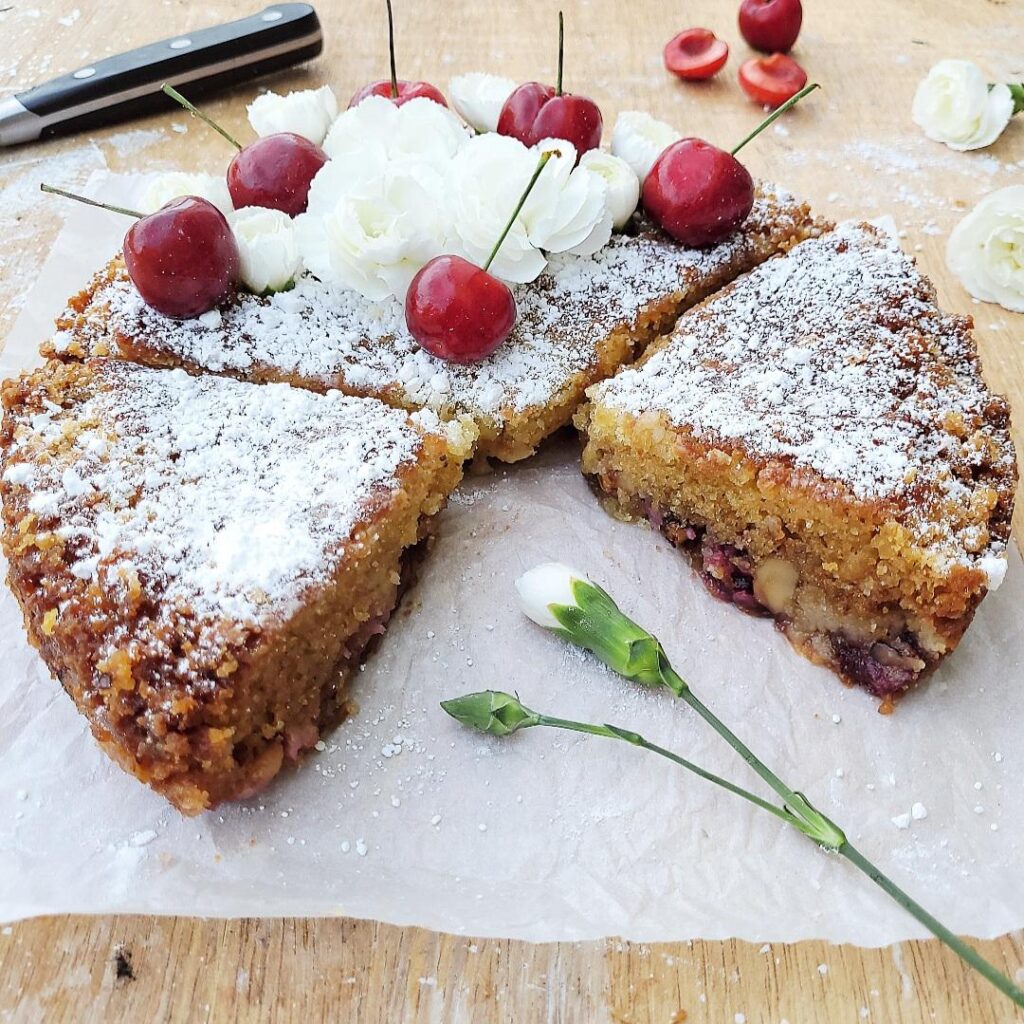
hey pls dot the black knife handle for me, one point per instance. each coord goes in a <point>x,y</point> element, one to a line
<point>128,84</point>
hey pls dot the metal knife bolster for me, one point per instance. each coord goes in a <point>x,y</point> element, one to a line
<point>128,85</point>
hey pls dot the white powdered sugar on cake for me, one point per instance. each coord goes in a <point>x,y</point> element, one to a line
<point>836,358</point>
<point>324,337</point>
<point>230,500</point>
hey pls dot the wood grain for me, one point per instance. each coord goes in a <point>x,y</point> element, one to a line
<point>850,150</point>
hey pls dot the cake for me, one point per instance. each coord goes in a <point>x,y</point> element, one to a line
<point>201,561</point>
<point>581,320</point>
<point>819,440</point>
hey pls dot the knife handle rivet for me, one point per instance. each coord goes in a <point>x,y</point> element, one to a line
<point>179,44</point>
<point>84,73</point>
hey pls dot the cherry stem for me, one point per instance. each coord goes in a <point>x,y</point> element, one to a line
<point>561,53</point>
<point>178,98</point>
<point>391,51</point>
<point>791,102</point>
<point>89,202</point>
<point>545,157</point>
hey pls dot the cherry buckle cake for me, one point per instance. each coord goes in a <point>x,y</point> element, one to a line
<point>577,323</point>
<point>201,561</point>
<point>819,440</point>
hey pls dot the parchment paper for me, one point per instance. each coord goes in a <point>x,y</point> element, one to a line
<point>407,818</point>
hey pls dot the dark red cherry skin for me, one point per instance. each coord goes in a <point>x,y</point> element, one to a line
<point>457,311</point>
<point>535,112</point>
<point>183,259</point>
<point>406,91</point>
<point>698,193</point>
<point>275,172</point>
<point>771,25</point>
<point>573,118</point>
<point>520,110</point>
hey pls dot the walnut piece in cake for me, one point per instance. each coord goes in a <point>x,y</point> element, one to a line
<point>820,440</point>
<point>201,561</point>
<point>577,323</point>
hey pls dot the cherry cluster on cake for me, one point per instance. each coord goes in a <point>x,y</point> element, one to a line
<point>392,196</point>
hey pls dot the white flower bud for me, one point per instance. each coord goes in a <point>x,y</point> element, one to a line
<point>954,105</point>
<point>984,249</point>
<point>308,113</point>
<point>479,98</point>
<point>545,585</point>
<point>267,248</point>
<point>640,139</point>
<point>623,185</point>
<point>171,185</point>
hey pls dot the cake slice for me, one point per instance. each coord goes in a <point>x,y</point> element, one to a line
<point>577,324</point>
<point>202,561</point>
<point>820,441</point>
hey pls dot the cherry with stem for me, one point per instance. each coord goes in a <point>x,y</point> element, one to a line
<point>183,259</point>
<point>458,311</point>
<point>700,194</point>
<point>274,171</point>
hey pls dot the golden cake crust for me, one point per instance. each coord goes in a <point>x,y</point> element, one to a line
<point>824,418</point>
<point>201,561</point>
<point>576,325</point>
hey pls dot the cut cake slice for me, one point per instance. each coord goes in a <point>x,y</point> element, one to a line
<point>820,440</point>
<point>202,561</point>
<point>577,323</point>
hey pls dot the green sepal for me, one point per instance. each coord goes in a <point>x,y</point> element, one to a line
<point>491,712</point>
<point>1017,92</point>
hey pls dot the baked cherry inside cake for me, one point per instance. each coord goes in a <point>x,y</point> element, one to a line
<point>201,562</point>
<point>819,440</point>
<point>577,324</point>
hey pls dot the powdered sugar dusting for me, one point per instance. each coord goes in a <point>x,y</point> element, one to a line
<point>326,337</point>
<point>230,501</point>
<point>837,358</point>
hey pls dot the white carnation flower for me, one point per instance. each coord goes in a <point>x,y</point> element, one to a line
<point>165,187</point>
<point>986,249</point>
<point>374,233</point>
<point>640,139</point>
<point>488,176</point>
<point>550,583</point>
<point>479,98</point>
<point>955,105</point>
<point>308,113</point>
<point>567,211</point>
<point>268,250</point>
<point>418,130</point>
<point>621,180</point>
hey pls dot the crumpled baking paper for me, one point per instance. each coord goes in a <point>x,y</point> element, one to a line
<point>408,818</point>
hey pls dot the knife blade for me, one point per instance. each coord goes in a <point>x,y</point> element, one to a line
<point>128,85</point>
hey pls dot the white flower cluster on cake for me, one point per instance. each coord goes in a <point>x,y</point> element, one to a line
<point>406,183</point>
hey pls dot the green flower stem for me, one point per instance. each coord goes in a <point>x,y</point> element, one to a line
<point>192,109</point>
<point>970,956</point>
<point>614,732</point>
<point>775,114</point>
<point>541,163</point>
<point>89,202</point>
<point>810,821</point>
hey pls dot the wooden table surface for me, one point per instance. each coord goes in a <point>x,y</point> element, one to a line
<point>851,150</point>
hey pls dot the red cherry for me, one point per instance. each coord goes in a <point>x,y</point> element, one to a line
<point>771,25</point>
<point>457,311</point>
<point>406,91</point>
<point>275,172</point>
<point>772,80</point>
<point>520,110</point>
<point>535,112</point>
<point>698,193</point>
<point>183,259</point>
<point>573,118</point>
<point>695,53</point>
